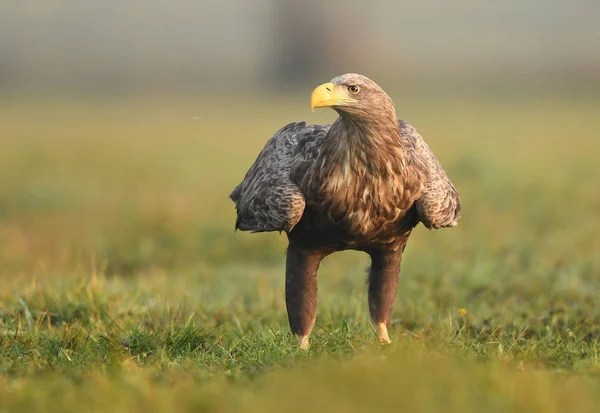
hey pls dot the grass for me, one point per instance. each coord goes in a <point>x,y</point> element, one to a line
<point>125,287</point>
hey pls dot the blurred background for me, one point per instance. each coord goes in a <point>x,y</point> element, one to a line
<point>125,125</point>
<point>116,47</point>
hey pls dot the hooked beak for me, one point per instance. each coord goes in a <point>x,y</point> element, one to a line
<point>328,95</point>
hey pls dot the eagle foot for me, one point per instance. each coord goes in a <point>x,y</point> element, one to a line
<point>382,333</point>
<point>304,343</point>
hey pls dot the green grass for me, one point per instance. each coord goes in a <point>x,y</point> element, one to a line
<point>125,287</point>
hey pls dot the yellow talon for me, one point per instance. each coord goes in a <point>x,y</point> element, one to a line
<point>304,344</point>
<point>382,333</point>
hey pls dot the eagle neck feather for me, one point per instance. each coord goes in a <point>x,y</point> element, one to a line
<point>360,173</point>
<point>372,146</point>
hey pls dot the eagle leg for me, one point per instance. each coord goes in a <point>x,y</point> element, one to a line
<point>301,290</point>
<point>383,283</point>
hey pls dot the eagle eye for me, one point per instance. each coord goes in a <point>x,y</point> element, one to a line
<point>353,89</point>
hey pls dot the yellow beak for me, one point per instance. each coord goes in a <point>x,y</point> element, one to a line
<point>328,95</point>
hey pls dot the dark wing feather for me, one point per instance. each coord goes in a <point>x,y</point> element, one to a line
<point>439,205</point>
<point>267,199</point>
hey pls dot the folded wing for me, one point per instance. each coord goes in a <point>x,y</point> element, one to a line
<point>439,205</point>
<point>267,199</point>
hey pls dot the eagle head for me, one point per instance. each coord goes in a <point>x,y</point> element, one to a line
<point>353,95</point>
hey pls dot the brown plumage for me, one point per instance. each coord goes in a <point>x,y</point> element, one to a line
<point>362,183</point>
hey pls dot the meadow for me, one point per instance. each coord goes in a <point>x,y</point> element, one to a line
<point>126,289</point>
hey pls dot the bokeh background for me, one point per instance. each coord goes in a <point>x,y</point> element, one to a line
<point>125,125</point>
<point>115,47</point>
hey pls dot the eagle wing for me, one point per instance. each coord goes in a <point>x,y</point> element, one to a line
<point>267,199</point>
<point>439,204</point>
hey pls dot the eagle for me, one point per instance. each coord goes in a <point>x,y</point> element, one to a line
<point>361,183</point>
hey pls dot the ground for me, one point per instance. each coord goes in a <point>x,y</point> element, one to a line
<point>125,287</point>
